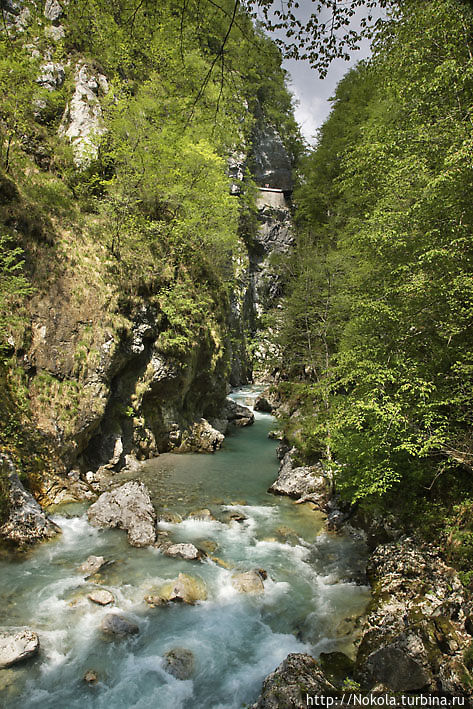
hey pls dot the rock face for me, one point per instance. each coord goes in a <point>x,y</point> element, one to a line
<point>287,687</point>
<point>26,522</point>
<point>127,507</point>
<point>51,76</point>
<point>414,636</point>
<point>274,235</point>
<point>258,285</point>
<point>118,625</point>
<point>271,163</point>
<point>83,122</point>
<point>179,662</point>
<point>305,483</point>
<point>17,644</point>
<point>52,10</point>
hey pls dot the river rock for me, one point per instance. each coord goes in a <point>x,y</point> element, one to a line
<point>237,517</point>
<point>92,565</point>
<point>209,546</point>
<point>185,551</point>
<point>237,414</point>
<point>91,677</point>
<point>287,534</point>
<point>276,435</point>
<point>188,589</point>
<point>26,522</point>
<point>414,636</point>
<point>220,424</point>
<point>264,403</point>
<point>304,483</point>
<point>393,667</point>
<point>17,644</point>
<point>244,421</point>
<point>171,517</point>
<point>248,582</point>
<point>202,438</point>
<point>179,662</point>
<point>221,562</point>
<point>154,600</point>
<point>118,625</point>
<point>101,596</point>
<point>204,514</point>
<point>287,687</point>
<point>336,666</point>
<point>127,507</point>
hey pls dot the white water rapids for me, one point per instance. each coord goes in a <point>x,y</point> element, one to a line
<point>310,599</point>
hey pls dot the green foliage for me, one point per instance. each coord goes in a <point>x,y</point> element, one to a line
<point>385,204</point>
<point>14,286</point>
<point>16,95</point>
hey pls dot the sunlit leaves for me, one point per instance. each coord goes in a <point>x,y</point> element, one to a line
<point>397,205</point>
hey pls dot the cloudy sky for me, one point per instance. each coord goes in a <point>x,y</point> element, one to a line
<point>311,92</point>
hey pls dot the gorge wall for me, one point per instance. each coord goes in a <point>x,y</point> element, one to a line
<point>120,354</point>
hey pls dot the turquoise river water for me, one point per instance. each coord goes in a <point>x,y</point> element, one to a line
<point>310,600</point>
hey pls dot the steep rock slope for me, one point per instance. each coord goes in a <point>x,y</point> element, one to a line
<point>142,287</point>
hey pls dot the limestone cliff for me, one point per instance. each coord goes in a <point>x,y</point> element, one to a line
<point>268,234</point>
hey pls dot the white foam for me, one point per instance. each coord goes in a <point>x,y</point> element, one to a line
<point>75,530</point>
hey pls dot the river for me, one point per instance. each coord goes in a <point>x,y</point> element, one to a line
<point>309,604</point>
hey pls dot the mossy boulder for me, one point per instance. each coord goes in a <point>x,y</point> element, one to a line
<point>336,667</point>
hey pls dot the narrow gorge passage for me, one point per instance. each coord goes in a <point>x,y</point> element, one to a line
<point>310,599</point>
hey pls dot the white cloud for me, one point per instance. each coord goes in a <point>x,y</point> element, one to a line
<point>313,93</point>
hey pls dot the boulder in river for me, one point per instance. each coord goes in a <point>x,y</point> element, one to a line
<point>155,600</point>
<point>17,644</point>
<point>187,589</point>
<point>171,517</point>
<point>204,514</point>
<point>209,545</point>
<point>185,551</point>
<point>26,522</point>
<point>304,483</point>
<point>101,596</point>
<point>296,677</point>
<point>237,517</point>
<point>179,662</point>
<point>237,414</point>
<point>118,625</point>
<point>265,403</point>
<point>91,677</point>
<point>221,562</point>
<point>248,582</point>
<point>92,565</point>
<point>127,507</point>
<point>201,438</point>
